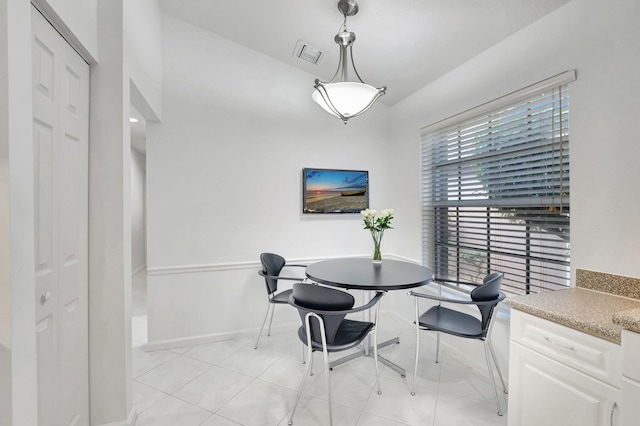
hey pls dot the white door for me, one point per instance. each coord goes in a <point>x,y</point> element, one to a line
<point>60,138</point>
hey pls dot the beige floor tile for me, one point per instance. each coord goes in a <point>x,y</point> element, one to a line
<point>259,404</point>
<point>231,384</point>
<point>212,389</point>
<point>173,374</point>
<point>171,412</point>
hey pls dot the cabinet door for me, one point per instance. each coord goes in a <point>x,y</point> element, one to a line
<point>631,402</point>
<point>545,392</point>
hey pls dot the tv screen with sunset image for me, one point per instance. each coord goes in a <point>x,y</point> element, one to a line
<point>334,191</point>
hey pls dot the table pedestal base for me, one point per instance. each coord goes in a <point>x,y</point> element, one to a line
<point>367,352</point>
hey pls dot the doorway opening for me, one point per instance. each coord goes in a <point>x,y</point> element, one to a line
<point>138,228</point>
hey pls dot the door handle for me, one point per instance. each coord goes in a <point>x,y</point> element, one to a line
<point>44,297</point>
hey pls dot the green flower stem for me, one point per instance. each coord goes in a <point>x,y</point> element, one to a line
<point>377,241</point>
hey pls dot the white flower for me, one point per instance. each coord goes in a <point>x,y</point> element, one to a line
<point>377,225</point>
<point>368,213</point>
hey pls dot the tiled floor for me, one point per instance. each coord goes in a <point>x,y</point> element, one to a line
<point>229,383</point>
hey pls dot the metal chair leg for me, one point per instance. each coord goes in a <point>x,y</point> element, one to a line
<point>273,308</point>
<point>415,365</point>
<point>437,347</point>
<point>263,323</point>
<point>307,324</point>
<point>311,358</point>
<point>375,350</point>
<point>493,380</point>
<point>328,377</point>
<point>495,361</point>
<point>302,382</point>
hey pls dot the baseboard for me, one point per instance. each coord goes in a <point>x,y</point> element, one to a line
<point>138,269</point>
<point>131,420</point>
<point>133,416</point>
<point>251,333</point>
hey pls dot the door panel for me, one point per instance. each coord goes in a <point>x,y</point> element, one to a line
<point>46,344</point>
<point>45,268</point>
<point>61,106</point>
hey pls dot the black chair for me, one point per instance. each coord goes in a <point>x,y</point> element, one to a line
<point>444,320</point>
<point>325,328</point>
<point>272,266</point>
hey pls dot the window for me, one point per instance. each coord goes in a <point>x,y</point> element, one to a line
<point>495,189</point>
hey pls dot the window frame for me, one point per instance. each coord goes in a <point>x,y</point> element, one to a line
<point>438,135</point>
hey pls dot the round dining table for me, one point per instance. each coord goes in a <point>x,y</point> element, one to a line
<point>362,274</point>
<point>356,273</point>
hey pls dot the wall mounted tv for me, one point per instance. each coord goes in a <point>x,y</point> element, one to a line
<point>334,191</point>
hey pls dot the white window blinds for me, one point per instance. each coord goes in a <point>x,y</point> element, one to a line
<point>495,184</point>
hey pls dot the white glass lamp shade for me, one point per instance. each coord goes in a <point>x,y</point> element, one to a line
<point>348,98</point>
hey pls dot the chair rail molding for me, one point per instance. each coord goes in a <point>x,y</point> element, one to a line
<point>230,266</point>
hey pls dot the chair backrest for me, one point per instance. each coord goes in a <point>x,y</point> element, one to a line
<point>272,264</point>
<point>313,298</point>
<point>489,290</point>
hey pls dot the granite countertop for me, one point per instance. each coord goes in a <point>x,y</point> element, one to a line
<point>600,304</point>
<point>597,313</point>
<point>629,320</point>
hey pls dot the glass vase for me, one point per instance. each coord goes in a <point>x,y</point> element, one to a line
<point>377,254</point>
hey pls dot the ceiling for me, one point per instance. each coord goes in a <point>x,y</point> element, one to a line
<point>401,44</point>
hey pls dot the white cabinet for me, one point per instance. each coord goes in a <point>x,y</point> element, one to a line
<point>546,392</point>
<point>631,379</point>
<point>631,402</point>
<point>631,355</point>
<point>560,376</point>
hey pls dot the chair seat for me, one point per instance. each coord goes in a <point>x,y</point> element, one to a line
<point>350,334</point>
<point>439,318</point>
<point>282,297</point>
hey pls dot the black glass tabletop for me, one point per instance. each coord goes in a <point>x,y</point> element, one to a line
<point>363,274</point>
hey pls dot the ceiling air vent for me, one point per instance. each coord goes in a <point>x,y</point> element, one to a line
<point>308,53</point>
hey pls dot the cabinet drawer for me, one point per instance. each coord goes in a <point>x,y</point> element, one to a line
<point>591,355</point>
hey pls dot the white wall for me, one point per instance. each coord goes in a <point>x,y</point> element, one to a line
<point>110,228</point>
<point>605,229</point>
<point>143,53</point>
<point>5,228</point>
<point>17,320</point>
<point>224,180</point>
<point>138,221</point>
<point>203,207</point>
<point>605,225</point>
<point>113,86</point>
<point>77,20</point>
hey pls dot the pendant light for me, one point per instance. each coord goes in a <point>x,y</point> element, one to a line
<point>343,98</point>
